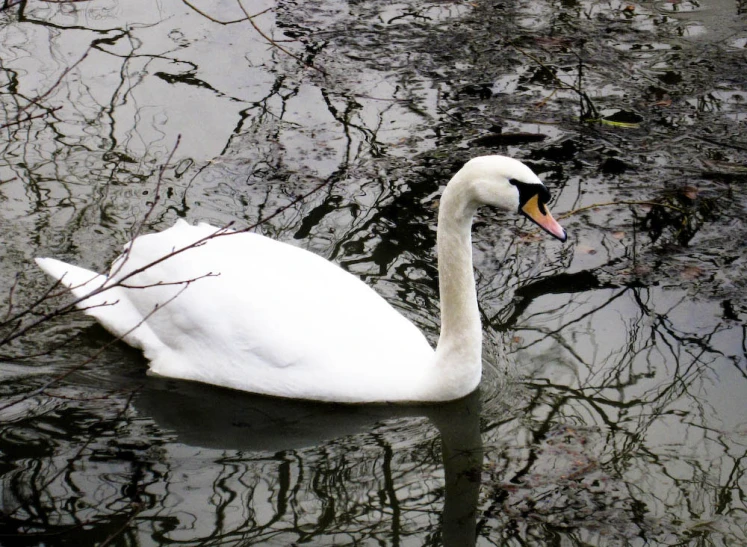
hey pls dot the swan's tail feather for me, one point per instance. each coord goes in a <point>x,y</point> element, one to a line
<point>80,281</point>
<point>110,307</point>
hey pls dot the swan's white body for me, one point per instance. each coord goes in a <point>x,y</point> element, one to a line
<point>246,312</point>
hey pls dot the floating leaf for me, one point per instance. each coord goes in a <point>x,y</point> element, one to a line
<point>690,192</point>
<point>622,118</point>
<point>691,272</point>
<point>618,124</point>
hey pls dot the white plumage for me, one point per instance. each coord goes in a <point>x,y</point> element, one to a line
<point>246,312</point>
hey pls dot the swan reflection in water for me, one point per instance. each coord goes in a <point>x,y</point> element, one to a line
<point>295,464</point>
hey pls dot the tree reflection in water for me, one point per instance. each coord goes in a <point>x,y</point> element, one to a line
<point>636,445</point>
<point>634,429</point>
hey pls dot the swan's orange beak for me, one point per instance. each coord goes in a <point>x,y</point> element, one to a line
<point>539,214</point>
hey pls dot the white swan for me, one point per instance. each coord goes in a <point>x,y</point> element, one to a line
<point>279,320</point>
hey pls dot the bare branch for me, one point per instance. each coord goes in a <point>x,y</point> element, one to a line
<point>106,346</point>
<point>137,229</point>
<point>35,101</point>
<point>272,42</point>
<point>29,309</point>
<point>10,296</point>
<point>214,20</point>
<point>615,203</point>
<point>167,283</point>
<point>157,195</point>
<point>28,118</point>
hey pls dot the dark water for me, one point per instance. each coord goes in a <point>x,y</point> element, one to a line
<point>624,419</point>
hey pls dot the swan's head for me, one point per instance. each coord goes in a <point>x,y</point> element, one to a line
<point>508,184</point>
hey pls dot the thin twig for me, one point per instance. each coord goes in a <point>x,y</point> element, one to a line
<point>166,283</point>
<point>10,295</point>
<point>583,97</point>
<point>137,507</point>
<point>29,118</point>
<point>47,294</point>
<point>614,203</point>
<point>281,209</point>
<point>35,100</point>
<point>214,20</point>
<point>124,257</point>
<point>273,43</point>
<point>87,397</point>
<point>159,183</point>
<point>106,346</point>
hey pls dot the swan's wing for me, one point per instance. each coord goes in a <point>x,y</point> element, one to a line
<point>244,311</point>
<point>248,312</point>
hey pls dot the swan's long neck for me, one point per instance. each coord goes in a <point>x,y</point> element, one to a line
<point>459,350</point>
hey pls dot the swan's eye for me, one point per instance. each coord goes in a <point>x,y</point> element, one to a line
<point>528,190</point>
